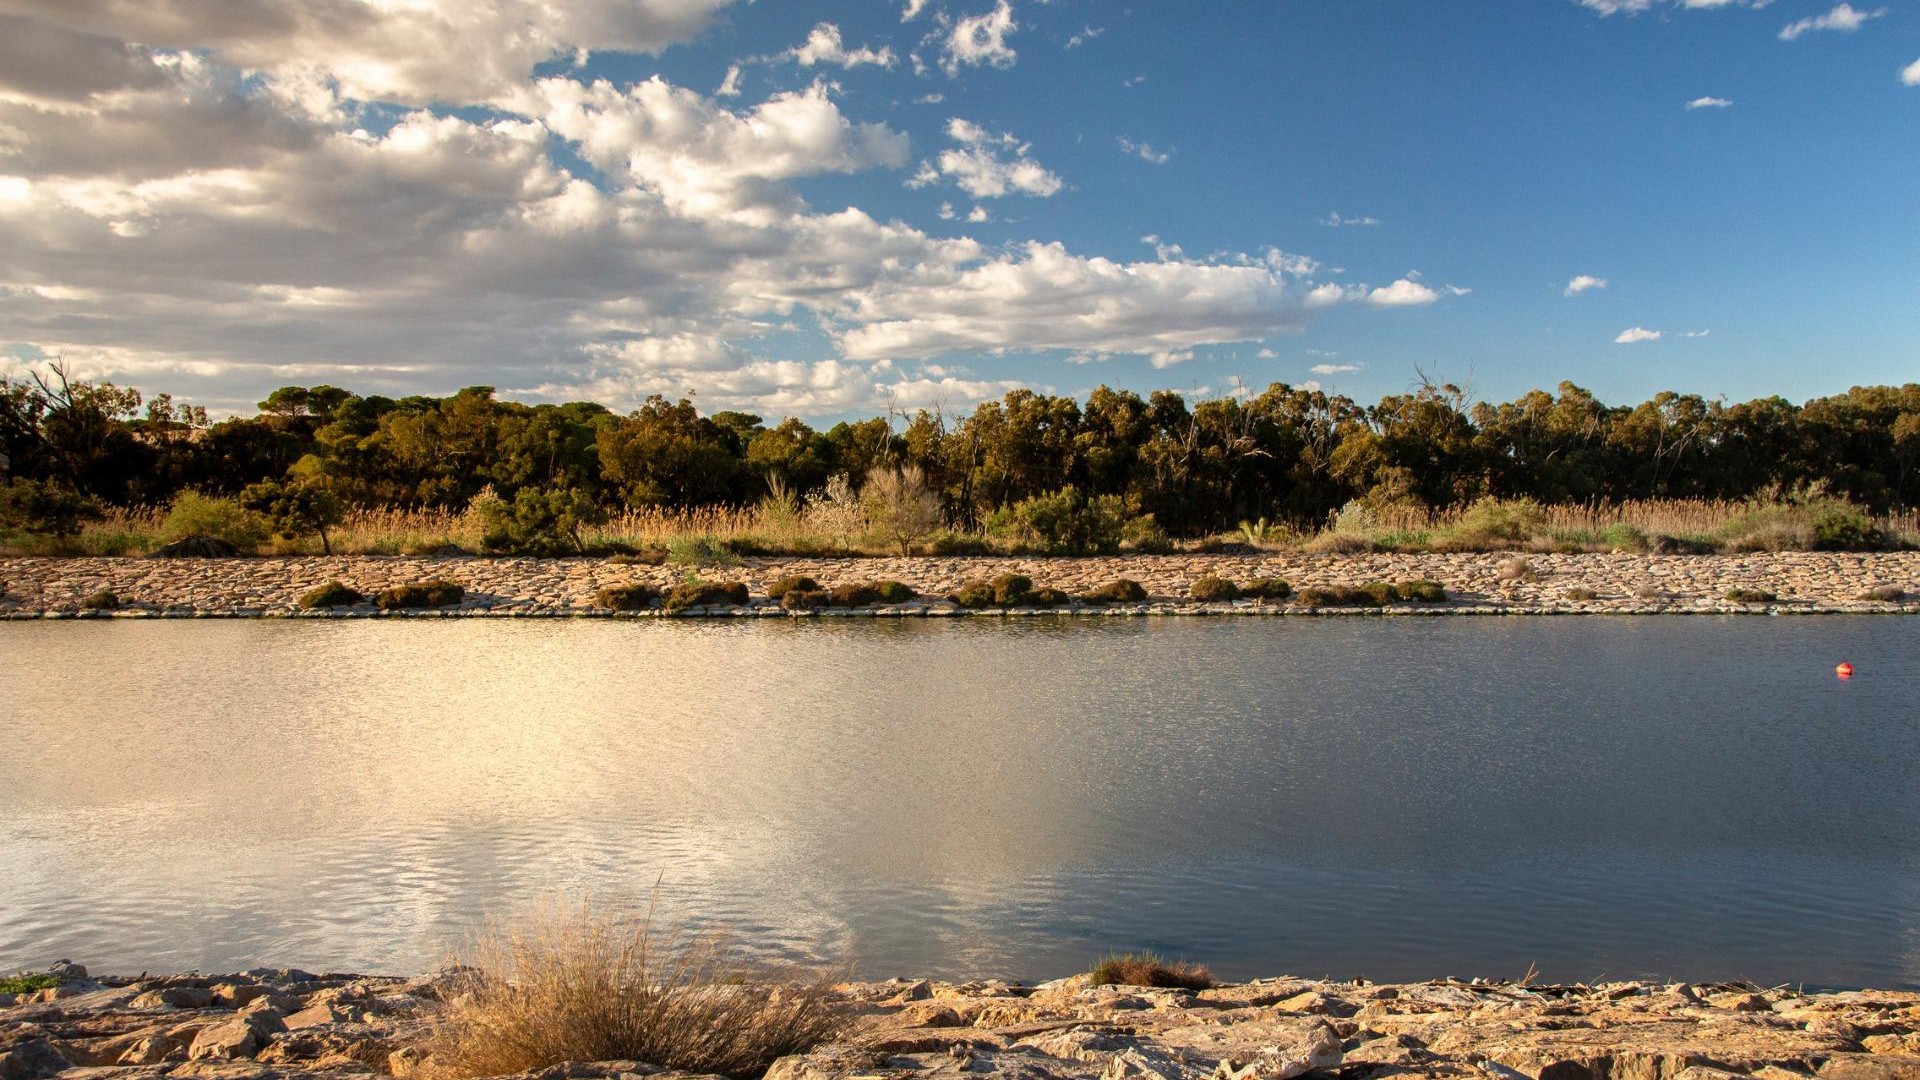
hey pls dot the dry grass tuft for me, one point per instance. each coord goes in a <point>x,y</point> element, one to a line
<point>1147,969</point>
<point>574,982</point>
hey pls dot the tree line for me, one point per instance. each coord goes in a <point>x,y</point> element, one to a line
<point>1287,453</point>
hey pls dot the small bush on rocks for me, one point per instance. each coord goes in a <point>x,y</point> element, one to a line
<point>332,594</point>
<point>705,594</point>
<point>1321,596</point>
<point>804,599</point>
<point>1649,592</point>
<point>1517,569</point>
<point>1580,594</point>
<point>791,583</point>
<point>954,543</point>
<point>1145,536</point>
<point>1422,591</point>
<point>1885,593</point>
<point>973,594</point>
<point>642,557</point>
<point>638,596</point>
<point>1750,596</point>
<point>1846,527</point>
<point>437,593</point>
<point>1146,969</point>
<point>894,592</point>
<point>1210,589</point>
<point>853,595</point>
<point>1267,588</point>
<point>104,600</point>
<point>1122,591</point>
<point>1049,597</point>
<point>195,547</point>
<point>1381,593</point>
<point>194,514</point>
<point>28,984</point>
<point>1011,589</point>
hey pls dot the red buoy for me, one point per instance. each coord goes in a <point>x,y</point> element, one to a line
<point>1845,670</point>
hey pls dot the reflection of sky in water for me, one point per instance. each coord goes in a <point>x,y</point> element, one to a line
<point>1397,798</point>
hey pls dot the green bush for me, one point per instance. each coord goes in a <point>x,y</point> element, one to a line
<point>1624,537</point>
<point>1381,593</point>
<point>791,583</point>
<point>1750,596</point>
<point>104,600</point>
<point>1143,534</point>
<point>1844,527</point>
<point>194,514</point>
<point>853,595</point>
<point>332,594</point>
<point>1422,591</point>
<point>1321,596</point>
<point>1064,522</point>
<point>973,594</point>
<point>638,596</point>
<point>436,593</point>
<point>538,522</point>
<point>804,599</point>
<point>1011,589</point>
<point>705,594</point>
<point>28,984</point>
<point>1491,524</point>
<point>701,551</point>
<point>1048,597</point>
<point>1267,588</point>
<point>1579,594</point>
<point>1122,591</point>
<point>294,509</point>
<point>43,508</point>
<point>894,592</point>
<point>1210,589</point>
<point>958,543</point>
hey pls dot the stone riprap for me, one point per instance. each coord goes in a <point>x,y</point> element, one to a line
<point>1804,582</point>
<point>274,1024</point>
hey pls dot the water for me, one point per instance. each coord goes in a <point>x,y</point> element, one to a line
<point>1398,798</point>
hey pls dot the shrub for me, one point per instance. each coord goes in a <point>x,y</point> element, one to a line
<point>955,543</point>
<point>1490,524</point>
<point>1146,969</point>
<point>1885,593</point>
<point>973,594</point>
<point>1210,589</point>
<point>332,594</point>
<point>1049,597</point>
<point>1624,537</point>
<point>43,508</point>
<point>1381,593</point>
<point>1342,596</point>
<point>705,594</point>
<point>1579,594</point>
<point>294,509</point>
<point>1649,592</point>
<point>853,595</point>
<point>1750,596</point>
<point>1267,588</point>
<point>638,596</point>
<point>1064,522</point>
<point>1517,569</point>
<point>28,984</point>
<point>1144,535</point>
<point>194,514</point>
<point>701,551</point>
<point>804,599</point>
<point>1422,591</point>
<point>1011,589</point>
<point>791,583</point>
<point>537,522</point>
<point>104,600</point>
<point>195,547</point>
<point>1844,527</point>
<point>642,557</point>
<point>436,593</point>
<point>894,592</point>
<point>1121,591</point>
<point>572,983</point>
<point>900,507</point>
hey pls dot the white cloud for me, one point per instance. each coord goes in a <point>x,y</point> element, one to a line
<point>1911,75</point>
<point>978,40</point>
<point>987,165</point>
<point>1085,36</point>
<point>1698,333</point>
<point>730,86</point>
<point>1582,283</point>
<point>825,46</point>
<point>912,9</point>
<point>1635,7</point>
<point>1335,219</point>
<point>1635,335</point>
<point>1409,292</point>
<point>1144,151</point>
<point>1844,18</point>
<point>1333,369</point>
<point>1709,103</point>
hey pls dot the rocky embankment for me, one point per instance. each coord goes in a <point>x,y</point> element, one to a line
<point>265,1025</point>
<point>1802,582</point>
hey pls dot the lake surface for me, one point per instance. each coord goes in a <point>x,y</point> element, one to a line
<point>1396,798</point>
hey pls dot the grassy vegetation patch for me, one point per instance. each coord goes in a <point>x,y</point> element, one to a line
<point>332,594</point>
<point>433,593</point>
<point>638,596</point>
<point>1119,591</point>
<point>1211,589</point>
<point>1147,969</point>
<point>694,594</point>
<point>1750,596</point>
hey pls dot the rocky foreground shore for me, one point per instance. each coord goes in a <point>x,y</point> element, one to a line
<point>1501,584</point>
<point>265,1025</point>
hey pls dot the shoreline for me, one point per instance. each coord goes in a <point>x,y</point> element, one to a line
<point>1476,584</point>
<point>268,1024</point>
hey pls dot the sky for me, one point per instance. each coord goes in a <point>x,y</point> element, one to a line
<point>830,209</point>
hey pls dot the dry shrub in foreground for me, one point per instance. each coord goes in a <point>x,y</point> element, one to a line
<point>571,982</point>
<point>1147,969</point>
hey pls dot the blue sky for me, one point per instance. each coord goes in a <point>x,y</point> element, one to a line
<point>784,239</point>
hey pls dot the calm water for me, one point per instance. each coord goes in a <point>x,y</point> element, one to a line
<point>1395,798</point>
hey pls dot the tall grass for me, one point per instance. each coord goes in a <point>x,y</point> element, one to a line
<point>573,981</point>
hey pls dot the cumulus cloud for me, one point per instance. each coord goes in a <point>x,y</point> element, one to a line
<point>980,40</point>
<point>825,46</point>
<point>1709,103</point>
<point>1911,75</point>
<point>1584,283</point>
<point>1844,18</point>
<point>987,165</point>
<point>1409,292</point>
<point>1635,335</point>
<point>1333,369</point>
